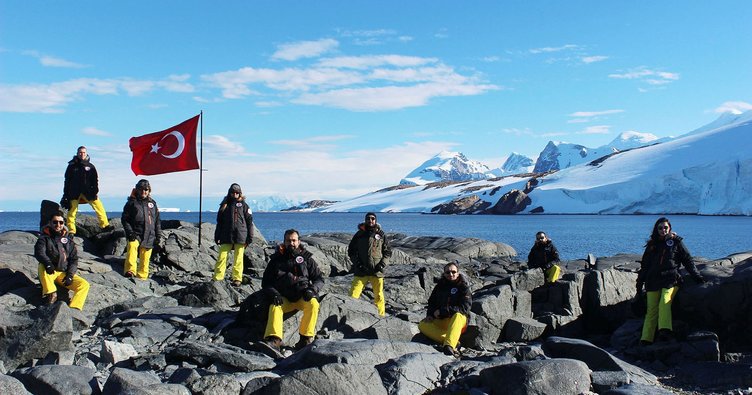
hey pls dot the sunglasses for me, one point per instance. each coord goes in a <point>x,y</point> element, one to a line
<point>542,238</point>
<point>58,222</point>
<point>450,272</point>
<point>371,218</point>
<point>663,227</point>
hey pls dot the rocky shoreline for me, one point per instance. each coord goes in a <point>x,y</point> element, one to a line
<point>181,333</point>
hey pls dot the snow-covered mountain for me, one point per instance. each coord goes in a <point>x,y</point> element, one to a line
<point>447,166</point>
<point>515,164</point>
<point>271,203</point>
<point>632,139</point>
<point>707,172</point>
<point>559,155</point>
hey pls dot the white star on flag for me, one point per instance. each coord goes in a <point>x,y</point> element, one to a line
<point>155,148</point>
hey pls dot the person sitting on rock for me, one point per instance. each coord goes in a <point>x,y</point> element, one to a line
<point>659,275</point>
<point>58,263</point>
<point>143,229</point>
<point>82,186</point>
<point>292,280</point>
<point>234,231</point>
<point>544,255</point>
<point>448,310</point>
<point>369,253</point>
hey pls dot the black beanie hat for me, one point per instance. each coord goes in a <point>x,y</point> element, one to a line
<point>370,213</point>
<point>143,184</point>
<point>234,188</point>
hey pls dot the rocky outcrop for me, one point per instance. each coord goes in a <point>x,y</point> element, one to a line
<point>179,332</point>
<point>511,202</point>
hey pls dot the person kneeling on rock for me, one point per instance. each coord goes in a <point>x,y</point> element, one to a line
<point>544,255</point>
<point>448,310</point>
<point>58,263</point>
<point>292,280</point>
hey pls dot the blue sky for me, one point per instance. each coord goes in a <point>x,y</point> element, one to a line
<point>335,99</point>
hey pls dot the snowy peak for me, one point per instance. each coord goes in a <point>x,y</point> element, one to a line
<point>632,139</point>
<point>560,155</point>
<point>447,166</point>
<point>726,119</point>
<point>515,164</point>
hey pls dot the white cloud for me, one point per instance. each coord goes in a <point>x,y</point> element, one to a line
<point>92,131</point>
<point>594,113</point>
<point>554,49</point>
<point>53,61</point>
<point>491,59</point>
<point>593,59</point>
<point>597,129</point>
<point>365,62</point>
<point>223,146</point>
<point>648,76</point>
<point>235,84</point>
<point>304,49</point>
<point>517,131</point>
<point>51,98</point>
<point>734,107</point>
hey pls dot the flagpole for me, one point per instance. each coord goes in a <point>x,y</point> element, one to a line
<point>201,177</point>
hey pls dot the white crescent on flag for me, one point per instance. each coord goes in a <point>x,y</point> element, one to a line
<point>181,144</point>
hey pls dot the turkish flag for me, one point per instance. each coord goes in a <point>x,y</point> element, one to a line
<point>168,151</point>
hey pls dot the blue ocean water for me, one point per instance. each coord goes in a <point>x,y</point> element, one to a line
<point>575,236</point>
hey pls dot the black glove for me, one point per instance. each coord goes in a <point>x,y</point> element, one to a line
<point>68,280</point>
<point>308,294</point>
<point>49,269</point>
<point>639,287</point>
<point>277,300</point>
<point>380,266</point>
<point>131,237</point>
<point>65,203</point>
<point>274,297</point>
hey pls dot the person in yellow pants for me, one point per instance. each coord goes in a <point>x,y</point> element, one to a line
<point>143,230</point>
<point>448,310</point>
<point>82,186</point>
<point>545,256</point>
<point>58,263</point>
<point>292,281</point>
<point>664,254</point>
<point>369,253</point>
<point>234,231</point>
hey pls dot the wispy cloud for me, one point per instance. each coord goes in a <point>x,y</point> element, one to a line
<point>223,146</point>
<point>593,59</point>
<point>51,98</point>
<point>92,131</point>
<point>304,49</point>
<point>53,61</point>
<point>597,129</point>
<point>554,49</point>
<point>518,132</point>
<point>316,141</point>
<point>594,113</point>
<point>648,76</point>
<point>734,107</point>
<point>365,62</point>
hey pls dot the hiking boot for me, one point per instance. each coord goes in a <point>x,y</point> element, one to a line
<point>274,343</point>
<point>130,275</point>
<point>236,283</point>
<point>51,298</point>
<point>449,350</point>
<point>304,341</point>
<point>108,228</point>
<point>645,343</point>
<point>666,335</point>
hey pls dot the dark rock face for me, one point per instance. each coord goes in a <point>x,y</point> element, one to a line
<point>511,202</point>
<point>180,333</point>
<point>466,205</point>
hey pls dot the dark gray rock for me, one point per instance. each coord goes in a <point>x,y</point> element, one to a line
<point>551,376</point>
<point>596,358</point>
<point>58,379</point>
<point>389,328</point>
<point>11,385</point>
<point>638,389</point>
<point>333,378</point>
<point>716,375</point>
<point>216,384</point>
<point>493,307</point>
<point>523,329</point>
<point>125,381</point>
<point>606,295</point>
<point>219,295</point>
<point>415,373</point>
<point>48,328</point>
<point>608,380</point>
<point>205,354</point>
<point>114,352</point>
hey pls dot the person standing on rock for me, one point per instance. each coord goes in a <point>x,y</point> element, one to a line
<point>448,310</point>
<point>142,229</point>
<point>544,255</point>
<point>82,186</point>
<point>369,253</point>
<point>58,263</point>
<point>659,275</point>
<point>292,280</point>
<point>234,231</point>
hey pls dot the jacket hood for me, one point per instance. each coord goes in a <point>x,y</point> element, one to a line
<point>47,229</point>
<point>461,282</point>
<point>76,160</point>
<point>133,196</point>
<point>363,227</point>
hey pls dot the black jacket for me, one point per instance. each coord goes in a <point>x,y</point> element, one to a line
<point>543,255</point>
<point>81,178</point>
<point>449,298</point>
<point>290,274</point>
<point>141,220</point>
<point>369,251</point>
<point>56,250</point>
<point>234,222</point>
<point>661,262</point>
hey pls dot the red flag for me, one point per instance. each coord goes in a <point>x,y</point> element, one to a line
<point>170,150</point>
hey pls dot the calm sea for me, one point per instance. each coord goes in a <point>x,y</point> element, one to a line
<point>574,235</point>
